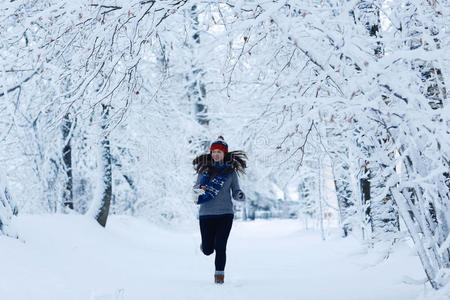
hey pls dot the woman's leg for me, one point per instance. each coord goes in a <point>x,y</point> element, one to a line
<point>208,233</point>
<point>222,232</point>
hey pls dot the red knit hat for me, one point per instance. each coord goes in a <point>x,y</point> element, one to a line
<point>219,144</point>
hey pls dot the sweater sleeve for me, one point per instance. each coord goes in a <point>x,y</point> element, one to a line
<point>236,190</point>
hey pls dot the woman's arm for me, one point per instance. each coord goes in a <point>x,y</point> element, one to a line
<point>197,190</point>
<point>238,194</point>
<point>198,183</point>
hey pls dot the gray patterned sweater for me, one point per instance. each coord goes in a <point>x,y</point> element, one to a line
<point>221,204</point>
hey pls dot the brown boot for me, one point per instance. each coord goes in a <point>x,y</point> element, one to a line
<point>219,278</point>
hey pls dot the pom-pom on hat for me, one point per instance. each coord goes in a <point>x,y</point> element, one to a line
<point>219,144</point>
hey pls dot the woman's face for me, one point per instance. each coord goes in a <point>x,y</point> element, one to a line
<point>217,155</point>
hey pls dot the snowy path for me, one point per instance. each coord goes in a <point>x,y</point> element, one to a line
<point>69,257</point>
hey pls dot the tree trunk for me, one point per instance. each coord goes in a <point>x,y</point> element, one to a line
<point>364,186</point>
<point>384,213</point>
<point>100,207</point>
<point>196,89</point>
<point>344,195</point>
<point>67,159</point>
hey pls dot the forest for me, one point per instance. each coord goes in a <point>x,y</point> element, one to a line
<point>340,105</point>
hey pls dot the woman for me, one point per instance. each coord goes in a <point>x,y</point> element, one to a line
<point>217,175</point>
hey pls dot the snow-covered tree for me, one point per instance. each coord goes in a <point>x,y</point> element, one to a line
<point>8,208</point>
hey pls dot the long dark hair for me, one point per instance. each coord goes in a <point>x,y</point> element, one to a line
<point>234,160</point>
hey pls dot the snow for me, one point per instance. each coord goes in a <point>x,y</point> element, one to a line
<point>72,257</point>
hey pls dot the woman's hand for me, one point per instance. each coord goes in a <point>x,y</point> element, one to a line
<point>196,193</point>
<point>199,192</point>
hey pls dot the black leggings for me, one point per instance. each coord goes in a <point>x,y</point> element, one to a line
<point>215,232</point>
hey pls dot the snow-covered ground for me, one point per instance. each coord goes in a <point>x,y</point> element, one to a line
<point>70,257</point>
